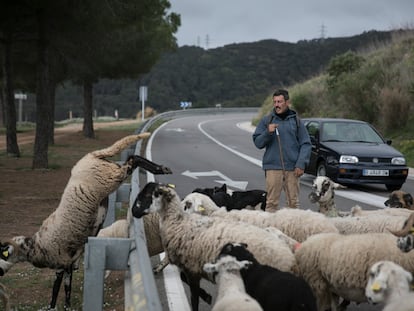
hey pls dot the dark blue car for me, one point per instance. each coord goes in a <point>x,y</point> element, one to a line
<point>353,152</point>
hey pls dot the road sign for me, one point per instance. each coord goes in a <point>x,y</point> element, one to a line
<point>143,93</point>
<point>185,104</point>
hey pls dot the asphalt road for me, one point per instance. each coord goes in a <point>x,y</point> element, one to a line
<point>205,151</point>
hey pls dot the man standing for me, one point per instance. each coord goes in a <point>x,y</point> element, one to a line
<point>288,149</point>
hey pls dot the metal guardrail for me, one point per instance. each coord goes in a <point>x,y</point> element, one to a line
<point>130,254</point>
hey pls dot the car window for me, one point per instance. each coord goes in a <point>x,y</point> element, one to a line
<point>349,132</point>
<point>312,127</point>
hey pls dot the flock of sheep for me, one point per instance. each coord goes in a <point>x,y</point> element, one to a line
<point>331,254</point>
<point>294,259</point>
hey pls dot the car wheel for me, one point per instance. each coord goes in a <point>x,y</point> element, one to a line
<point>393,187</point>
<point>321,170</point>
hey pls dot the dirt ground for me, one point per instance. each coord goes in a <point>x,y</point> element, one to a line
<point>29,196</point>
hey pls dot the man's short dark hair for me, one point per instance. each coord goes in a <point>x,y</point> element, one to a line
<point>282,92</point>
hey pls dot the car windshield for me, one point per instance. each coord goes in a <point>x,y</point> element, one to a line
<point>349,132</point>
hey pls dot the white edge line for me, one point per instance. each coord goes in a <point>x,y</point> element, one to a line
<point>174,289</point>
<point>241,155</point>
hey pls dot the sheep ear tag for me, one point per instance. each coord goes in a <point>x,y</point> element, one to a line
<point>5,254</point>
<point>375,286</point>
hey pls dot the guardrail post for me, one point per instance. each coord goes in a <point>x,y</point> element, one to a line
<point>102,254</point>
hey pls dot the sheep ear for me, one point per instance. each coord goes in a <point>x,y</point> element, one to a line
<point>338,186</point>
<point>244,264</point>
<point>408,199</point>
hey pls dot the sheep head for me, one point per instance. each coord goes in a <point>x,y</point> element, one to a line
<point>323,189</point>
<point>14,251</point>
<point>385,277</point>
<point>225,263</point>
<point>152,198</point>
<point>239,251</point>
<point>405,236</point>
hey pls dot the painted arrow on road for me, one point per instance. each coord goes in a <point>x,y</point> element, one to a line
<point>225,180</point>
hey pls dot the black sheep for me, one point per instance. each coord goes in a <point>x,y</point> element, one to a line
<point>271,287</point>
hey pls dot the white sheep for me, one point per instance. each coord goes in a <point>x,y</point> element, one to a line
<point>200,203</point>
<point>4,297</point>
<point>232,294</point>
<point>336,265</point>
<point>60,240</point>
<point>391,211</point>
<point>192,240</point>
<point>296,223</point>
<point>364,224</point>
<point>290,242</point>
<point>389,283</point>
<point>323,193</point>
<point>120,229</point>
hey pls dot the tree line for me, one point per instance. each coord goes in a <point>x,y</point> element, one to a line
<point>45,43</point>
<point>234,75</point>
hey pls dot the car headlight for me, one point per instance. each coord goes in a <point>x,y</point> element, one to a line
<point>348,159</point>
<point>398,161</point>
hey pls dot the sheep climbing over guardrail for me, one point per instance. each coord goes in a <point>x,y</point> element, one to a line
<point>60,240</point>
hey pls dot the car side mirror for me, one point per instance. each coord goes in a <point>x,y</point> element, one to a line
<point>389,142</point>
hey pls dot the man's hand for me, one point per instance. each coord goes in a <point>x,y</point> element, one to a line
<point>272,127</point>
<point>299,172</point>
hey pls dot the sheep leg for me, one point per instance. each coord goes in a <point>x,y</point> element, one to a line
<point>159,267</point>
<point>56,287</point>
<point>201,292</point>
<point>4,297</point>
<point>148,165</point>
<point>68,286</point>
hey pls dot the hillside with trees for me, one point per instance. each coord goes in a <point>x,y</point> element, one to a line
<point>234,75</point>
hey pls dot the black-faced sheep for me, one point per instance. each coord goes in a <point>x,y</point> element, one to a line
<point>249,199</point>
<point>60,240</point>
<point>336,265</point>
<point>192,240</point>
<point>219,195</point>
<point>232,294</point>
<point>389,283</point>
<point>271,287</point>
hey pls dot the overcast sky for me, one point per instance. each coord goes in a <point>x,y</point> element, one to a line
<point>214,23</point>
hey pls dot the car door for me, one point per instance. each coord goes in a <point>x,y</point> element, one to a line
<point>313,130</point>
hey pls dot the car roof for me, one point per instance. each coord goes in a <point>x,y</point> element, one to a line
<point>333,120</point>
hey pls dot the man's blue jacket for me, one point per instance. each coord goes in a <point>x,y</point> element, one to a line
<point>294,138</point>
